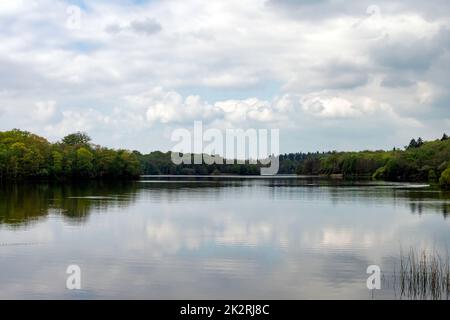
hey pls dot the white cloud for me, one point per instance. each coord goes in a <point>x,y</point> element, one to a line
<point>73,121</point>
<point>170,107</point>
<point>230,80</point>
<point>227,63</point>
<point>240,111</point>
<point>11,6</point>
<point>45,110</point>
<point>426,93</point>
<point>330,107</point>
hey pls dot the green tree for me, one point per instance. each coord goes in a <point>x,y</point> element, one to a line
<point>57,163</point>
<point>25,155</point>
<point>104,160</point>
<point>432,177</point>
<point>3,160</point>
<point>412,144</point>
<point>419,142</point>
<point>76,139</point>
<point>444,181</point>
<point>127,163</point>
<point>84,162</point>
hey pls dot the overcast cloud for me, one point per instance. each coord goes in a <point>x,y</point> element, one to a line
<point>328,74</point>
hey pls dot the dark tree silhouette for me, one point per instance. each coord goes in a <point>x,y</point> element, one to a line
<point>412,144</point>
<point>419,142</point>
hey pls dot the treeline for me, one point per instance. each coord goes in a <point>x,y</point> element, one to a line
<point>25,155</point>
<point>160,163</point>
<point>419,161</point>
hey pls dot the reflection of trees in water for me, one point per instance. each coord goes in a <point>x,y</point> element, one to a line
<point>29,201</point>
<point>418,200</point>
<point>440,207</point>
<point>176,189</point>
<point>424,202</point>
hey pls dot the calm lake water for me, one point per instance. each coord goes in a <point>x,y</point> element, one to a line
<point>213,238</point>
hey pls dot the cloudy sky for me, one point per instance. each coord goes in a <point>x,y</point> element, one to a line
<point>327,73</point>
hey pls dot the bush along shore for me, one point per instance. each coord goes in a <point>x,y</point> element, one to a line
<point>24,155</point>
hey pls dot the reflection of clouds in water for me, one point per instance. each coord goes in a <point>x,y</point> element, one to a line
<point>337,238</point>
<point>369,236</point>
<point>289,233</point>
<point>235,242</point>
<point>42,233</point>
<point>229,266</point>
<point>169,236</point>
<point>347,239</point>
<point>244,232</point>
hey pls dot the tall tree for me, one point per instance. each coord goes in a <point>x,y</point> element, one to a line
<point>76,139</point>
<point>412,144</point>
<point>419,142</point>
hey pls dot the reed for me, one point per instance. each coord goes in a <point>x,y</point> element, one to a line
<point>424,275</point>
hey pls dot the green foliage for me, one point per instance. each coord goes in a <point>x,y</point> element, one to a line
<point>412,144</point>
<point>432,177</point>
<point>415,144</point>
<point>57,163</point>
<point>76,139</point>
<point>421,161</point>
<point>24,155</point>
<point>157,163</point>
<point>444,181</point>
<point>84,166</point>
<point>380,173</point>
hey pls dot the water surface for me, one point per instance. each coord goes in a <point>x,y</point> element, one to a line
<point>213,238</point>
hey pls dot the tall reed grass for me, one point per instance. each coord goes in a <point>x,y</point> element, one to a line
<point>423,275</point>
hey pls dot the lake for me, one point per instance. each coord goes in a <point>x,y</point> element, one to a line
<point>213,238</point>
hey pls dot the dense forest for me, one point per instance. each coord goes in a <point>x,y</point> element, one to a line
<point>25,155</point>
<point>419,161</point>
<point>158,162</point>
